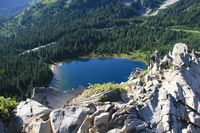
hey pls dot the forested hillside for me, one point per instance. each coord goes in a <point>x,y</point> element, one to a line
<point>185,14</point>
<point>81,27</point>
<point>1,21</point>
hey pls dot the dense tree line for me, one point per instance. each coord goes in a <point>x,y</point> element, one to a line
<point>77,28</point>
<point>19,74</point>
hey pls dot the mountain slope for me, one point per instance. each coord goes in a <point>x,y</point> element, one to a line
<point>80,27</point>
<point>71,29</point>
<point>163,99</point>
<point>9,8</point>
<point>76,14</point>
<point>183,13</point>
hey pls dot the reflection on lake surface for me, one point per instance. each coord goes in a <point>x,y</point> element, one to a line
<point>84,71</point>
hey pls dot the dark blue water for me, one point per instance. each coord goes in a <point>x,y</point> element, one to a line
<point>82,72</point>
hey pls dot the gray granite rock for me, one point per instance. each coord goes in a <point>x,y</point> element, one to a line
<point>69,119</point>
<point>31,110</point>
<point>39,127</point>
<point>101,122</point>
<point>28,112</point>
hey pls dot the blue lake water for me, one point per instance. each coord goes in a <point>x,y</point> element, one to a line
<point>82,72</point>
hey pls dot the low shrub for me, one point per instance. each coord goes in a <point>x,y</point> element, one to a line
<point>7,105</point>
<point>97,88</point>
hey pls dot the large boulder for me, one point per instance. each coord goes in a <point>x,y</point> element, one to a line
<point>39,127</point>
<point>101,122</point>
<point>179,48</point>
<point>86,125</point>
<point>134,126</point>
<point>69,119</point>
<point>29,111</point>
<point>180,54</point>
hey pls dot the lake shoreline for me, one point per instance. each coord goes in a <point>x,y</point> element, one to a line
<point>137,56</point>
<point>58,70</point>
<point>141,56</point>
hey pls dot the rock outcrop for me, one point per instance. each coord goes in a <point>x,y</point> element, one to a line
<point>31,114</point>
<point>163,99</point>
<point>69,119</point>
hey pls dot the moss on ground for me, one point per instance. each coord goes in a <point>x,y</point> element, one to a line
<point>97,88</point>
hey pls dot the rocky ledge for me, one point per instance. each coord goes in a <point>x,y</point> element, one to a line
<point>164,98</point>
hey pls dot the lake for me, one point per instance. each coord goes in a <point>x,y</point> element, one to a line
<point>84,71</point>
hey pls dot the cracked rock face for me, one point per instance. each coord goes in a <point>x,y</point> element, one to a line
<point>164,99</point>
<point>174,105</point>
<point>68,120</point>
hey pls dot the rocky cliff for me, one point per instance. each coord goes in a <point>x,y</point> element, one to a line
<point>164,98</point>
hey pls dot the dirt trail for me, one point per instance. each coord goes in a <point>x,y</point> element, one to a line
<point>38,48</point>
